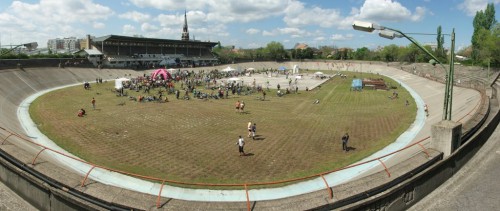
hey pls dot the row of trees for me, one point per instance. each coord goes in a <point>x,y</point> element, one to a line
<point>485,48</point>
<point>485,40</point>
<point>275,51</point>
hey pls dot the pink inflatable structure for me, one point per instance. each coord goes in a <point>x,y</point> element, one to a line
<point>164,73</point>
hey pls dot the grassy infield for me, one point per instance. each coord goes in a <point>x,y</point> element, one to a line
<point>299,138</point>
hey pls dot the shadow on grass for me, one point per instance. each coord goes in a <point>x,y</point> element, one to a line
<point>258,138</point>
<point>350,148</point>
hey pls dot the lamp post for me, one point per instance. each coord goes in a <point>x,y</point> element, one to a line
<point>391,33</point>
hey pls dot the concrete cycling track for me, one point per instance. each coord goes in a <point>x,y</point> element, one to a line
<point>465,101</point>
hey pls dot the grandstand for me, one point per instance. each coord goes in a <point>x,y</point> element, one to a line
<point>136,52</point>
<point>139,52</point>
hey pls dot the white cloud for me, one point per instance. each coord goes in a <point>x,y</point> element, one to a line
<point>135,16</point>
<point>470,7</point>
<point>129,30</point>
<point>269,33</point>
<point>252,31</point>
<point>161,4</point>
<point>68,11</point>
<point>48,19</point>
<point>319,38</point>
<point>296,14</point>
<point>221,11</point>
<point>244,11</point>
<point>254,45</point>
<point>385,10</point>
<point>147,27</point>
<point>169,20</point>
<point>208,32</point>
<point>99,25</point>
<point>341,37</point>
<point>419,14</point>
<point>290,30</point>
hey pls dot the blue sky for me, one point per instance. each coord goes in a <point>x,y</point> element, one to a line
<point>244,24</point>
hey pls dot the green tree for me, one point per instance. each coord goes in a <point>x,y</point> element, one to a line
<point>326,52</point>
<point>440,42</point>
<point>308,53</point>
<point>495,45</point>
<point>390,53</point>
<point>225,54</point>
<point>362,53</point>
<point>260,53</point>
<point>276,51</point>
<point>489,47</point>
<point>483,20</point>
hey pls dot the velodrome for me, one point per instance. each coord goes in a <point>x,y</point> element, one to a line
<point>17,85</point>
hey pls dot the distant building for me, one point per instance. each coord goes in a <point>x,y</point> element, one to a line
<point>300,46</point>
<point>185,32</point>
<point>84,44</point>
<point>70,44</point>
<point>140,52</point>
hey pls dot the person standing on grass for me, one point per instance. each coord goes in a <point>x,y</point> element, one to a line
<point>93,103</point>
<point>241,144</point>
<point>237,105</point>
<point>254,129</point>
<point>345,139</point>
<point>249,128</point>
<point>242,107</point>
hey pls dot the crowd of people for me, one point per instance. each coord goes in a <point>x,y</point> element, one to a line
<point>188,85</point>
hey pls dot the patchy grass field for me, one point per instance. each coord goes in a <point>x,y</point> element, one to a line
<point>195,140</point>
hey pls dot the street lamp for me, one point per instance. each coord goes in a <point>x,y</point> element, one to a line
<point>391,33</point>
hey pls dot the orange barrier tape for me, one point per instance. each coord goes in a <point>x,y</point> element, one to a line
<point>248,198</point>
<point>425,150</point>
<point>159,195</point>
<point>330,192</point>
<point>11,134</point>
<point>33,162</point>
<point>87,175</point>
<point>385,167</point>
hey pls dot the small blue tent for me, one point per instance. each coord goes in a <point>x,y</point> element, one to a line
<point>357,85</point>
<point>281,68</point>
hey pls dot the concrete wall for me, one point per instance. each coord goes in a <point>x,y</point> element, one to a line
<point>44,62</point>
<point>36,192</point>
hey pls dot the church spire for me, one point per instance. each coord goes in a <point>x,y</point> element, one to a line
<point>185,32</point>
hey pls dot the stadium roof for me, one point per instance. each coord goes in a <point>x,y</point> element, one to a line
<point>119,38</point>
<point>93,51</point>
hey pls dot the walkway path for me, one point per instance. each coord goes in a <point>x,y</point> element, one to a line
<point>10,201</point>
